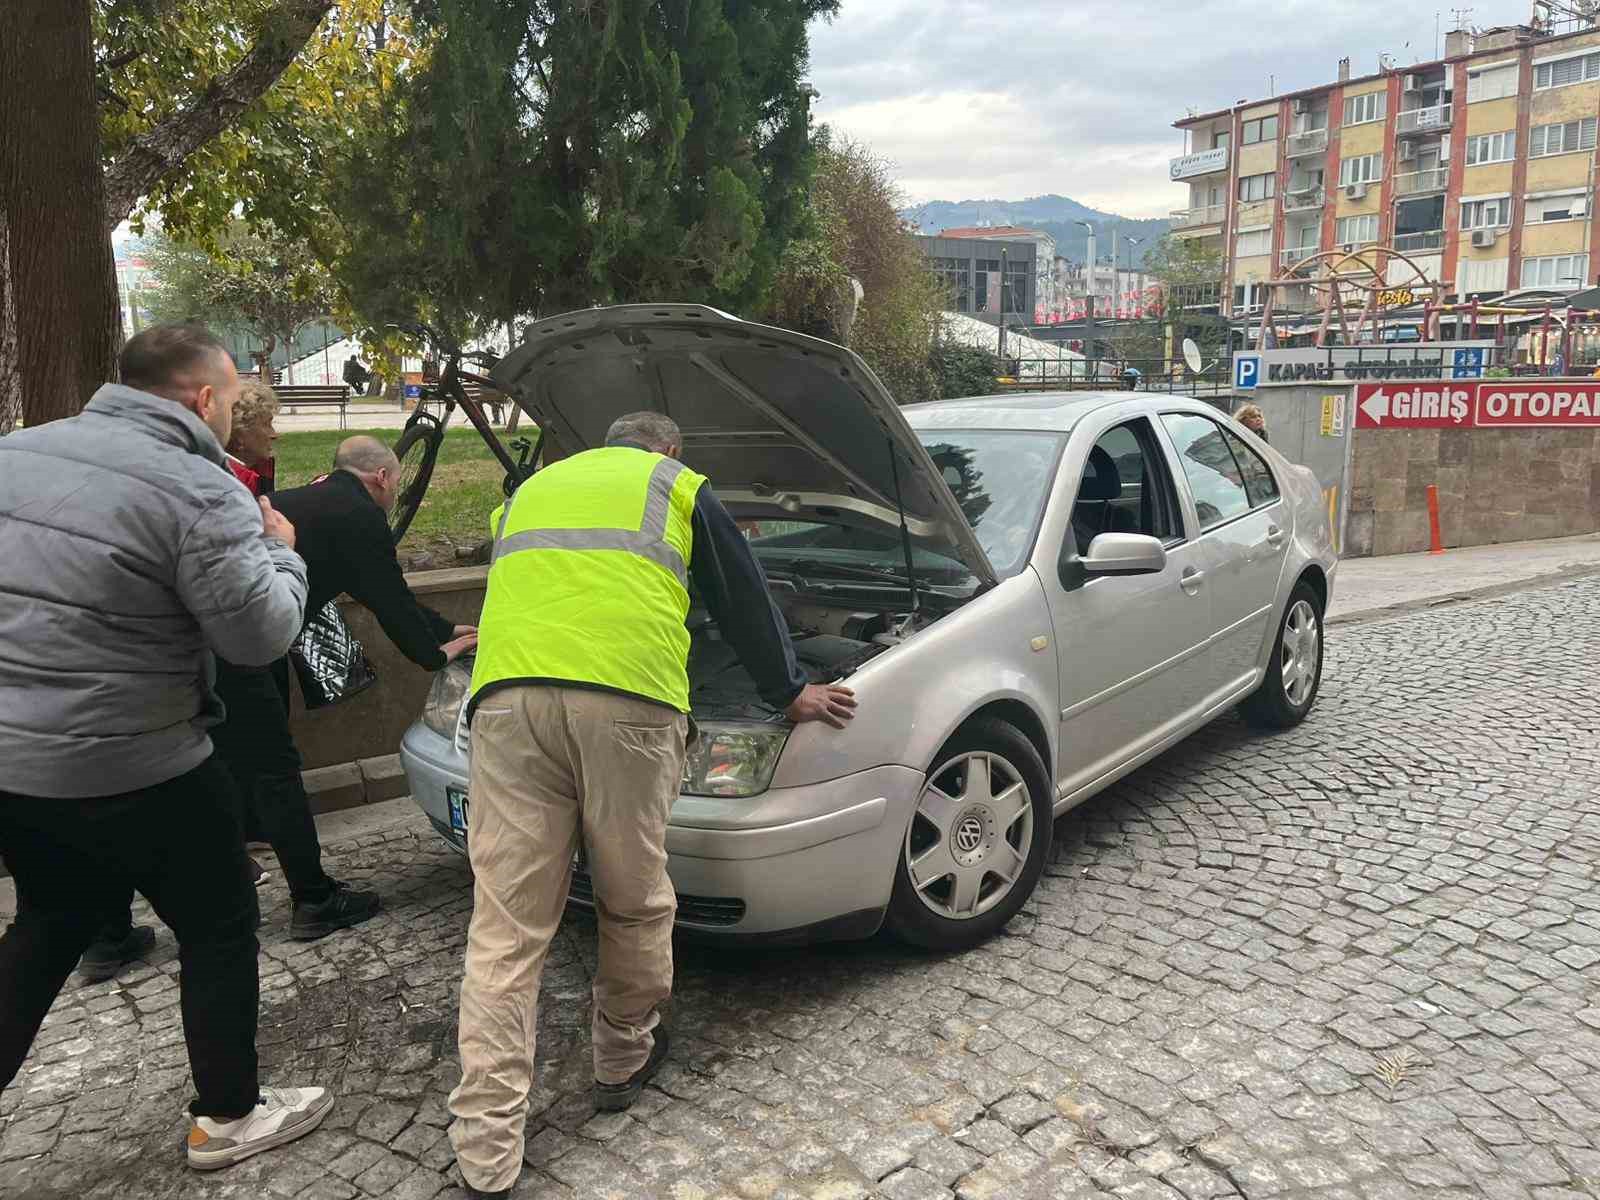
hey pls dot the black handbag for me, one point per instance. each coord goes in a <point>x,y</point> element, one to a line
<point>329,661</point>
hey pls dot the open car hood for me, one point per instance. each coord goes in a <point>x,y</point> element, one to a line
<point>785,426</point>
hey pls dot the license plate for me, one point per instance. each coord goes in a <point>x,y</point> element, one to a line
<point>460,809</point>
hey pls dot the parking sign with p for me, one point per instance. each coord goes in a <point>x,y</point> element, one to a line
<point>1246,372</point>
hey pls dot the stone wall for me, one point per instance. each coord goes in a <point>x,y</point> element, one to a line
<point>1495,485</point>
<point>369,725</point>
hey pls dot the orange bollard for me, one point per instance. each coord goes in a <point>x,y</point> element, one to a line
<point>1433,521</point>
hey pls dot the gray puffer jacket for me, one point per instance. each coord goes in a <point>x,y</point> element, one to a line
<point>128,554</point>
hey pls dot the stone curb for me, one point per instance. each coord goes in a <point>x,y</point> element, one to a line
<point>1530,583</point>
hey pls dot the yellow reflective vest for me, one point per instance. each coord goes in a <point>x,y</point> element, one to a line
<point>589,583</point>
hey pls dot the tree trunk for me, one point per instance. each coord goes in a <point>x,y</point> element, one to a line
<point>63,325</point>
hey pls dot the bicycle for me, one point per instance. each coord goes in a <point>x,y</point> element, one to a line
<point>418,445</point>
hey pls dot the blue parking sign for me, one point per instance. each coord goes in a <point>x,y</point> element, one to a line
<point>1246,372</point>
<point>1467,364</point>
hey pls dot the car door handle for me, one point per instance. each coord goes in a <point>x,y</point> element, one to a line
<point>1275,536</point>
<point>1191,579</point>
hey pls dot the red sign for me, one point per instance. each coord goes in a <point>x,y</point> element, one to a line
<point>1455,404</point>
<point>1538,402</point>
<point>1427,404</point>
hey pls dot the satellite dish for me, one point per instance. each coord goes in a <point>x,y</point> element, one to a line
<point>1191,355</point>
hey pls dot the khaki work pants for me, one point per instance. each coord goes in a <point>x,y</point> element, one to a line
<point>549,765</point>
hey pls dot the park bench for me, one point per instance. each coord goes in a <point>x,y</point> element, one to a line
<point>294,396</point>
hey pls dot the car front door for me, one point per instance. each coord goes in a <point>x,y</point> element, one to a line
<point>1243,534</point>
<point>1131,649</point>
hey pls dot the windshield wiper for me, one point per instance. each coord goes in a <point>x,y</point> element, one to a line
<point>816,566</point>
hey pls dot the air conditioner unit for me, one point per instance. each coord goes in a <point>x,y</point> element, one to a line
<point>1348,247</point>
<point>1483,239</point>
<point>1408,151</point>
<point>1580,207</point>
<point>1301,106</point>
<point>1413,83</point>
<point>1355,191</point>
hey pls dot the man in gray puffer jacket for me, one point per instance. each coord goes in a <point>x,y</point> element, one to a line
<point>129,556</point>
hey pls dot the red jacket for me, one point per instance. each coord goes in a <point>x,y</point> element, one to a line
<point>245,475</point>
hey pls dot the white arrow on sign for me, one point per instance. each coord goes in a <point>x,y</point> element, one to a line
<point>1376,406</point>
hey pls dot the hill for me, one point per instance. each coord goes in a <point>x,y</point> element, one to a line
<point>1055,215</point>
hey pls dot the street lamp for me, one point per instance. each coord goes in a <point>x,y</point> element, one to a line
<point>1088,293</point>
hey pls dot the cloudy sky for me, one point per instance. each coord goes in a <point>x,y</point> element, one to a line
<point>1005,99</point>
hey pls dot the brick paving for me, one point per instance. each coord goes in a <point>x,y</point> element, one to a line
<point>1358,960</point>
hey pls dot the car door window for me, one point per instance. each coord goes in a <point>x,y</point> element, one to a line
<point>1258,481</point>
<point>1124,489</point>
<point>1213,473</point>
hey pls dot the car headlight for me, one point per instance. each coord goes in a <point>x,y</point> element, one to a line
<point>733,760</point>
<point>445,698</point>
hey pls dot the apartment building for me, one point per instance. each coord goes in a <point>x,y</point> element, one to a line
<point>1479,167</point>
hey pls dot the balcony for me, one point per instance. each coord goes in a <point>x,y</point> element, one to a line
<point>1193,218</point>
<point>1312,141</point>
<point>1420,183</point>
<point>1423,120</point>
<point>1304,199</point>
<point>1411,243</point>
<point>1294,255</point>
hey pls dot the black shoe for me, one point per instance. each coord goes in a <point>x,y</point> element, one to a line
<point>344,908</point>
<point>104,958</point>
<point>615,1097</point>
<point>258,873</point>
<point>480,1194</point>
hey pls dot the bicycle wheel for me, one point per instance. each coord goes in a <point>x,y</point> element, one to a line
<point>417,450</point>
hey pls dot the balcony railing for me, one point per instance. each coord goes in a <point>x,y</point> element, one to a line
<point>1424,120</point>
<point>1417,183</point>
<point>1409,243</point>
<point>1304,200</point>
<point>1312,141</point>
<point>1189,218</point>
<point>1293,255</point>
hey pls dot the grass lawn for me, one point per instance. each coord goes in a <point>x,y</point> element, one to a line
<point>465,489</point>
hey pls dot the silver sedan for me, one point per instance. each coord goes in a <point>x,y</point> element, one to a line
<point>1031,596</point>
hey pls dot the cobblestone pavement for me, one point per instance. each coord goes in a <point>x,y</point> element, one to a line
<point>1356,960</point>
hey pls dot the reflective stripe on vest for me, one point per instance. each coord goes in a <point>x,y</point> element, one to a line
<point>649,541</point>
<point>588,583</point>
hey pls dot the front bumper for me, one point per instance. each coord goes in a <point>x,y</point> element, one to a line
<point>825,876</point>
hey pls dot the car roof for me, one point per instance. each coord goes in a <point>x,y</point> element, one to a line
<point>1054,412</point>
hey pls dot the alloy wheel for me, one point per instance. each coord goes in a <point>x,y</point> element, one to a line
<point>1300,654</point>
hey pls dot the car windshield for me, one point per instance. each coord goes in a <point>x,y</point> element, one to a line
<point>1000,480</point>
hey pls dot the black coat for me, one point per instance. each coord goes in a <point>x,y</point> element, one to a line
<point>344,537</point>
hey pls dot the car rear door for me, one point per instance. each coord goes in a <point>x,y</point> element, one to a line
<point>1243,533</point>
<point>1131,649</point>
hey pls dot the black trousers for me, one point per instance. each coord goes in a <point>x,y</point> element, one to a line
<point>179,843</point>
<point>255,745</point>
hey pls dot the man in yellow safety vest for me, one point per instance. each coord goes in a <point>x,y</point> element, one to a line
<point>578,711</point>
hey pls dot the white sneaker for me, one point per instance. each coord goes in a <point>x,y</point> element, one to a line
<point>282,1115</point>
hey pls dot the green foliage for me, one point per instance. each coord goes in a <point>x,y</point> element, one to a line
<point>549,156</point>
<point>260,281</point>
<point>964,370</point>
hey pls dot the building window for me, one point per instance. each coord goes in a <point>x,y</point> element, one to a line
<point>1566,207</point>
<point>983,301</point>
<point>1258,187</point>
<point>1253,243</point>
<point>1262,129</point>
<point>1247,296</point>
<point>1492,148</point>
<point>1492,83</point>
<point>1364,168</point>
<point>1564,138</point>
<point>1358,110</point>
<point>1356,230</point>
<point>956,276</point>
<point>1014,299</point>
<point>1566,72</point>
<point>1219,140</point>
<point>1555,271</point>
<point>1494,213</point>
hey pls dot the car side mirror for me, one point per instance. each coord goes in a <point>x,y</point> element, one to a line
<point>1125,554</point>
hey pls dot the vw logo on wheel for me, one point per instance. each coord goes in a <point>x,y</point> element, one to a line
<point>969,835</point>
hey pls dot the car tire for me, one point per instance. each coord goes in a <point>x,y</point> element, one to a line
<point>1298,646</point>
<point>971,838</point>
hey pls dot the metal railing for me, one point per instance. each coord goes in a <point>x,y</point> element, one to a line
<point>1414,183</point>
<point>1304,199</point>
<point>1077,374</point>
<point>1312,141</point>
<point>1424,120</point>
<point>1433,239</point>
<point>1209,214</point>
<point>1296,254</point>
